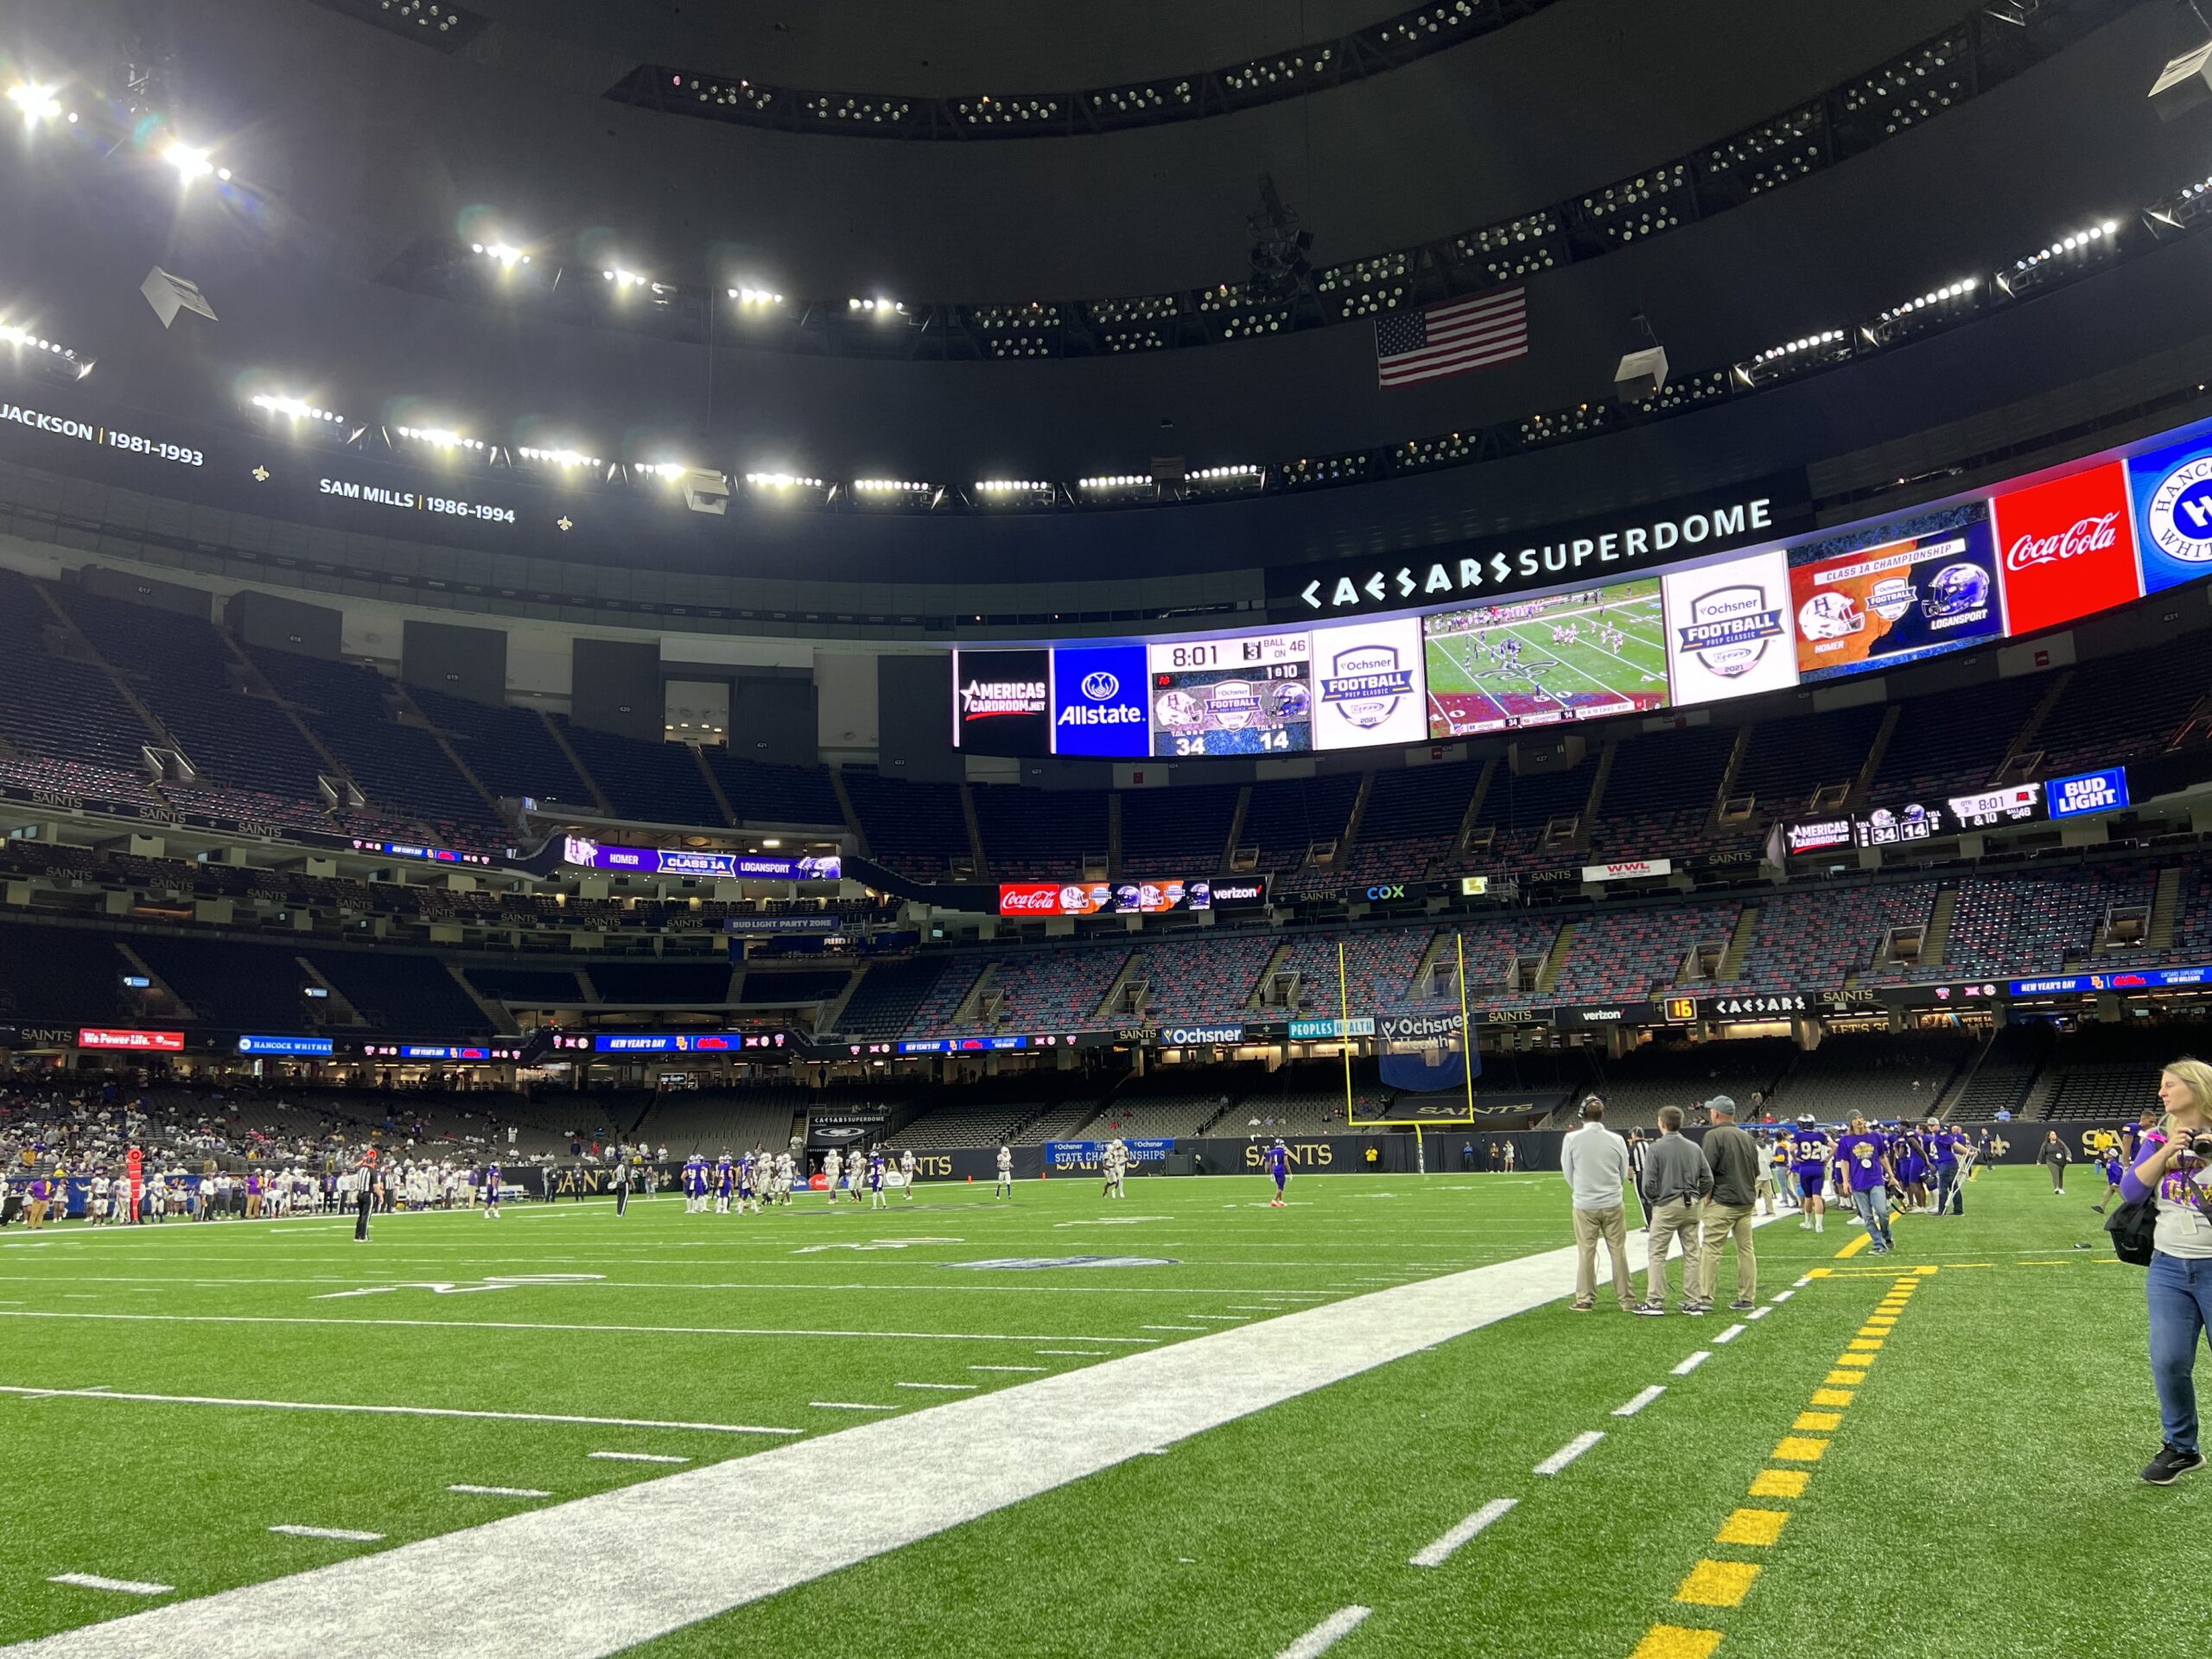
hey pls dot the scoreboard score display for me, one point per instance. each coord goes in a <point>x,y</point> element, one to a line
<point>2047,800</point>
<point>1249,694</point>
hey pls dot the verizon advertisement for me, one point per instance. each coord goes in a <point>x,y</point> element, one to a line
<point>2066,548</point>
<point>136,1042</point>
<point>1134,897</point>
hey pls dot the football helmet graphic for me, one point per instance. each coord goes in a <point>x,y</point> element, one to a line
<point>1830,616</point>
<point>1956,590</point>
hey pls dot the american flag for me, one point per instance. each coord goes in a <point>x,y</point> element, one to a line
<point>1452,338</point>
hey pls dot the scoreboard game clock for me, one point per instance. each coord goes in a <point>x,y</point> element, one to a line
<point>1248,693</point>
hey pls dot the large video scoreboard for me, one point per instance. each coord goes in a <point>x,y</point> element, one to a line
<point>2038,553</point>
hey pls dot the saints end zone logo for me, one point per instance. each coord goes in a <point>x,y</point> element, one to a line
<point>2179,518</point>
<point>1365,683</point>
<point>1729,629</point>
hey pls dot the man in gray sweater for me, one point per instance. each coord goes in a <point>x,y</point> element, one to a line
<point>1737,1164</point>
<point>1594,1161</point>
<point>1675,1183</point>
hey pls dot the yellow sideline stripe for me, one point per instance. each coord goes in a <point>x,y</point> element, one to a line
<point>1855,1246</point>
<point>1675,1642</point>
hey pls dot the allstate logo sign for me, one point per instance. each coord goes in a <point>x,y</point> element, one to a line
<point>1099,701</point>
<point>2179,520</point>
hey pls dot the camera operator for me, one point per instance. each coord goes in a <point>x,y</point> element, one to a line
<point>2179,1280</point>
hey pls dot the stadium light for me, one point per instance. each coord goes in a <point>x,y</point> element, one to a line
<point>880,308</point>
<point>891,487</point>
<point>1937,306</point>
<point>191,163</point>
<point>37,103</point>
<point>297,409</point>
<point>503,254</point>
<point>1795,356</point>
<point>563,458</point>
<point>1008,485</point>
<point>782,481</point>
<point>59,362</point>
<point>667,471</point>
<point>623,279</point>
<point>755,296</point>
<point>1108,481</point>
<point>2064,255</point>
<point>439,437</point>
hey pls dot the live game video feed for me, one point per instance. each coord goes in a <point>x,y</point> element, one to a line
<point>1538,662</point>
<point>1247,693</point>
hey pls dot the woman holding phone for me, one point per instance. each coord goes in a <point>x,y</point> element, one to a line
<point>2173,1160</point>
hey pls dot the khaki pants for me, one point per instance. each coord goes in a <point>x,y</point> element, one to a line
<point>1673,1219</point>
<point>1588,1225</point>
<point>1722,1220</point>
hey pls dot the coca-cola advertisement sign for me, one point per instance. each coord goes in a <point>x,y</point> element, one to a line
<point>2067,547</point>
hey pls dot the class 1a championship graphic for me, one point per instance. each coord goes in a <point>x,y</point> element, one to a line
<point>1894,601</point>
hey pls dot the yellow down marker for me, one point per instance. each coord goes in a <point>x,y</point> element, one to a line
<point>1718,1584</point>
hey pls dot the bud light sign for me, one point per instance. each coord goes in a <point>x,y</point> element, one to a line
<point>2091,791</point>
<point>2066,549</point>
<point>2173,513</point>
<point>1100,702</point>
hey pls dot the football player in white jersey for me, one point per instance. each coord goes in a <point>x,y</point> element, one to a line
<point>1004,1189</point>
<point>906,1171</point>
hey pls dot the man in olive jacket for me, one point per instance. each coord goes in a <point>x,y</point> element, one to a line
<point>1734,1157</point>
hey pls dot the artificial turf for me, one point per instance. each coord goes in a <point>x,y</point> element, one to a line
<point>1967,1502</point>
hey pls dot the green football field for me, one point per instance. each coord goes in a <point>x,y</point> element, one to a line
<point>1466,687</point>
<point>1227,1434</point>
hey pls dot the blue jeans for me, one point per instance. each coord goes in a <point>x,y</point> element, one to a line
<point>1873,1205</point>
<point>2180,1291</point>
<point>1950,1195</point>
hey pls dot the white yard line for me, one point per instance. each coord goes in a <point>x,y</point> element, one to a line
<point>1781,1296</point>
<point>1036,1369</point>
<point>390,1411</point>
<point>1087,1353</point>
<point>127,1586</point>
<point>344,1535</point>
<point>617,1330</point>
<point>1693,1361</point>
<point>635,1457</point>
<point>847,1404</point>
<point>1760,1312</point>
<point>948,1387</point>
<point>500,1491</point>
<point>1730,1335</point>
<point>1325,1635</point>
<point>697,1543</point>
<point>1443,1549</point>
<point>1567,1453</point>
<point>1641,1401</point>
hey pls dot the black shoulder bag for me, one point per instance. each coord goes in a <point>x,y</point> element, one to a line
<point>2134,1226</point>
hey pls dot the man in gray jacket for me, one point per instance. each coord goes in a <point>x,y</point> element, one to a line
<point>1737,1166</point>
<point>1595,1162</point>
<point>1676,1182</point>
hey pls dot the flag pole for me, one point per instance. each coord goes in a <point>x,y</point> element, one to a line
<point>1467,1025</point>
<point>1344,1030</point>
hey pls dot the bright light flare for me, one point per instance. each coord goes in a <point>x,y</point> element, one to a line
<point>191,163</point>
<point>37,104</point>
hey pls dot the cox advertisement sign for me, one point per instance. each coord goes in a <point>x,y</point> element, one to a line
<point>2066,548</point>
<point>1099,700</point>
<point>2172,488</point>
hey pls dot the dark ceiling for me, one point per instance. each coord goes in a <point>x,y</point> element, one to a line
<point>349,145</point>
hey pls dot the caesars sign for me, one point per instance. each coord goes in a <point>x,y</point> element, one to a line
<point>1595,548</point>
